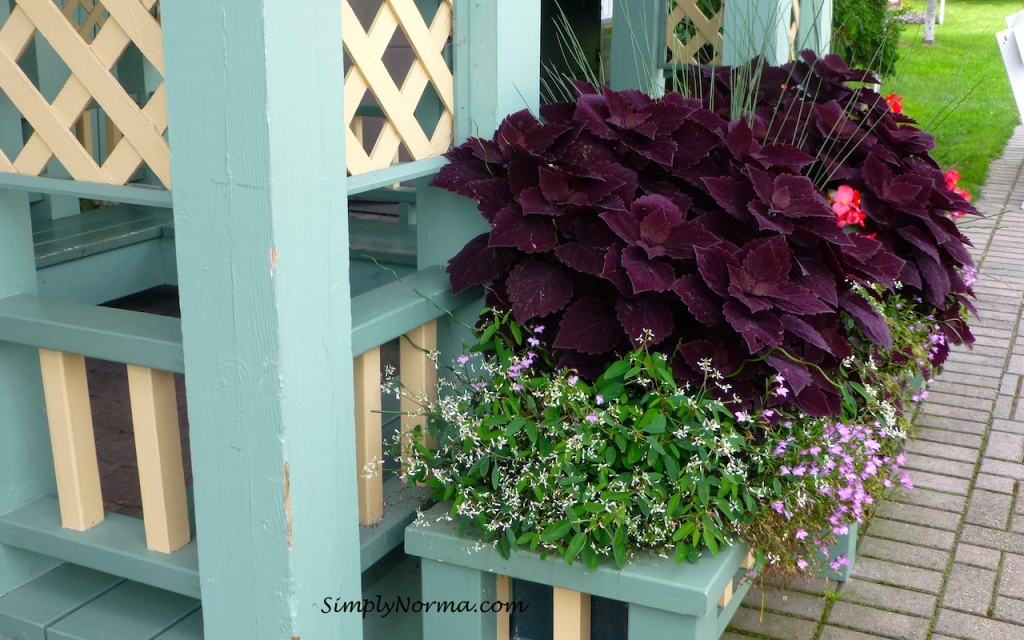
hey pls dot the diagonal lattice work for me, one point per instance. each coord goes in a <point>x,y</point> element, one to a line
<point>87,15</point>
<point>117,24</point>
<point>371,86</point>
<point>693,31</point>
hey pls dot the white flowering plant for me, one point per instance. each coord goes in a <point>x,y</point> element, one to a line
<point>533,455</point>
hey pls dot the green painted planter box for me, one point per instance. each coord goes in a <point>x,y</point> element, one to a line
<point>664,599</point>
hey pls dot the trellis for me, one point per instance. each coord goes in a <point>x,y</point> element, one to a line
<point>705,29</point>
<point>400,128</point>
<point>91,37</point>
<point>118,24</point>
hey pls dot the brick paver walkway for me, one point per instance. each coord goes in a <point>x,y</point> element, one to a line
<point>946,559</point>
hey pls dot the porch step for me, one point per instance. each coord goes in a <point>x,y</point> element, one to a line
<point>97,231</point>
<point>75,603</point>
<point>118,543</point>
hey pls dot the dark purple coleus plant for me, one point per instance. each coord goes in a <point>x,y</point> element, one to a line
<point>620,217</point>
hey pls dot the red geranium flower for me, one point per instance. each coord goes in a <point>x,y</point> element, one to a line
<point>952,178</point>
<point>846,206</point>
<point>895,102</point>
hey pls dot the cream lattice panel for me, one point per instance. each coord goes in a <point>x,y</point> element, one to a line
<point>142,128</point>
<point>93,13</point>
<point>707,29</point>
<point>400,128</point>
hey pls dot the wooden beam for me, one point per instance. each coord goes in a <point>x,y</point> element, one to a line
<point>158,449</point>
<point>572,615</point>
<point>419,375</point>
<point>72,439</point>
<point>726,597</point>
<point>756,28</point>
<point>266,310</point>
<point>504,594</point>
<point>369,438</point>
<point>26,464</point>
<point>638,45</point>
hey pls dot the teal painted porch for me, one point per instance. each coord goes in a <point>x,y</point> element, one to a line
<point>237,189</point>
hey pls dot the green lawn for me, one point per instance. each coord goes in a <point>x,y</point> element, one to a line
<point>957,88</point>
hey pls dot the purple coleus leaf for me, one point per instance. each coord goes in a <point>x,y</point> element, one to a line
<point>532,234</point>
<point>588,326</point>
<point>705,306</point>
<point>714,264</point>
<point>581,257</point>
<point>646,274</point>
<point>759,330</point>
<point>731,194</point>
<point>641,315</point>
<point>813,401</point>
<point>537,289</point>
<point>797,375</point>
<point>867,318</point>
<point>478,263</point>
<point>803,330</point>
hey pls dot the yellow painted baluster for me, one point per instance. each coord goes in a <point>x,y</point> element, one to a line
<point>72,439</point>
<point>158,447</point>
<point>369,444</point>
<point>418,373</point>
<point>572,615</point>
<point>504,595</point>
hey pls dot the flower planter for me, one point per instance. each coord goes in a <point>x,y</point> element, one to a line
<point>846,546</point>
<point>694,601</point>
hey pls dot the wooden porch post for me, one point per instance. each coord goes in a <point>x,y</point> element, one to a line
<point>496,63</point>
<point>638,45</point>
<point>815,26</point>
<point>756,28</point>
<point>26,464</point>
<point>255,109</point>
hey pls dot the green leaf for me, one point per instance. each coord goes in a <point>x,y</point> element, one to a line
<point>711,543</point>
<point>513,428</point>
<point>488,332</point>
<point>590,557</point>
<point>655,445</point>
<point>517,334</point>
<point>673,504</point>
<point>703,491</point>
<point>495,476</point>
<point>575,546</point>
<point>619,547</point>
<point>680,554</point>
<point>556,531</point>
<point>684,530</point>
<point>671,467</point>
<point>504,548</point>
<point>616,369</point>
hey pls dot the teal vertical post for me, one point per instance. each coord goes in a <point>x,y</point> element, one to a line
<point>815,26</point>
<point>26,463</point>
<point>459,584</point>
<point>638,45</point>
<point>255,97</point>
<point>496,65</point>
<point>756,28</point>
